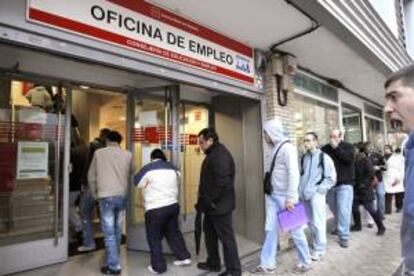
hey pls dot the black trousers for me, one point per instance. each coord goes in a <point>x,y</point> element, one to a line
<point>221,228</point>
<point>399,201</point>
<point>160,223</point>
<point>369,206</point>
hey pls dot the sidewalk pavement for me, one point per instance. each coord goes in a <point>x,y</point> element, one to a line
<point>367,255</point>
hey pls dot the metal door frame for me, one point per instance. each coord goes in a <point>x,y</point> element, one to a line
<point>136,235</point>
<point>55,249</point>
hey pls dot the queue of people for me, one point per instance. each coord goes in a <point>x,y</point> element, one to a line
<point>333,174</point>
<point>338,173</point>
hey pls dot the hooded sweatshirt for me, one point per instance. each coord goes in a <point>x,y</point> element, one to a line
<point>312,174</point>
<point>285,175</point>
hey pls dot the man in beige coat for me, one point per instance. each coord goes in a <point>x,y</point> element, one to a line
<point>108,177</point>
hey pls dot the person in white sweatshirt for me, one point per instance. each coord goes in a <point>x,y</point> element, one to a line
<point>159,183</point>
<point>285,193</point>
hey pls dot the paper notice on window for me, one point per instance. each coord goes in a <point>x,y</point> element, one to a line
<point>32,160</point>
<point>32,116</point>
<point>148,118</point>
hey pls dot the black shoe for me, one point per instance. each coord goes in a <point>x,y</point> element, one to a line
<point>207,267</point>
<point>106,270</point>
<point>356,228</point>
<point>226,273</point>
<point>334,232</point>
<point>343,243</point>
<point>381,231</point>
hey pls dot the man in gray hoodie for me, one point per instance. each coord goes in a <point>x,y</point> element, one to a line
<point>285,182</point>
<point>318,175</point>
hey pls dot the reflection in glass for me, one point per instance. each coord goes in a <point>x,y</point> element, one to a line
<point>31,145</point>
<point>312,115</point>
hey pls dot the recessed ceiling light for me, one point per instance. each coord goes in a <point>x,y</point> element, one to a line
<point>84,87</point>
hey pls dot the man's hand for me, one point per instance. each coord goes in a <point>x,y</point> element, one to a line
<point>290,206</point>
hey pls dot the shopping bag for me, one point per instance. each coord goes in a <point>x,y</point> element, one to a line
<point>290,220</point>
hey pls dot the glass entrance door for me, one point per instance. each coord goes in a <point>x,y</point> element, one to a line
<point>193,119</point>
<point>160,121</point>
<point>34,134</point>
<point>151,129</point>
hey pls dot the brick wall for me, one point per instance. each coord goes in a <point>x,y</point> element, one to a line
<point>272,107</point>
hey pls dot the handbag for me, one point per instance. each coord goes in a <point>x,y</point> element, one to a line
<point>267,181</point>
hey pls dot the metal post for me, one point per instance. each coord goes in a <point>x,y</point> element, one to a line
<point>66,160</point>
<point>175,124</point>
<point>130,145</point>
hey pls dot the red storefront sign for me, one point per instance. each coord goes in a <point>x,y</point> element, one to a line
<point>141,26</point>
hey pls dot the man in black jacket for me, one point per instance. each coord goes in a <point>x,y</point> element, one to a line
<point>216,199</point>
<point>341,196</point>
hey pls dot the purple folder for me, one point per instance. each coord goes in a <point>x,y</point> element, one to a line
<point>290,220</point>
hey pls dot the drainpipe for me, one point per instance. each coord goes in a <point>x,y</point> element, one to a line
<point>315,25</point>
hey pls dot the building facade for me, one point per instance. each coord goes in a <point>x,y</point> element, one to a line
<point>159,72</point>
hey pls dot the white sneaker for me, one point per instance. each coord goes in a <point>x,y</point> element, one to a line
<point>83,248</point>
<point>152,270</point>
<point>316,256</point>
<point>185,262</point>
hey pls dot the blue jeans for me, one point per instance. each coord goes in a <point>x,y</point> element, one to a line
<point>380,193</point>
<point>340,199</point>
<point>112,216</point>
<point>274,204</point>
<point>316,211</point>
<point>87,206</point>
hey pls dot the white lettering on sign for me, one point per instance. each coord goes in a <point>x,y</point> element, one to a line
<point>143,27</point>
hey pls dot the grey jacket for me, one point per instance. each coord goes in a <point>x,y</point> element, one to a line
<point>312,174</point>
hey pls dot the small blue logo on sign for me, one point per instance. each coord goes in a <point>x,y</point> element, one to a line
<point>242,64</point>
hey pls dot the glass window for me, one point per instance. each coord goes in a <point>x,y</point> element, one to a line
<point>31,180</point>
<point>375,133</point>
<point>315,87</point>
<point>312,115</point>
<point>351,119</point>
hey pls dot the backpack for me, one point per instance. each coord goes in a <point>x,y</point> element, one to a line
<point>321,164</point>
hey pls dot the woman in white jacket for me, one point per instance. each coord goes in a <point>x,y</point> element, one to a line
<point>393,179</point>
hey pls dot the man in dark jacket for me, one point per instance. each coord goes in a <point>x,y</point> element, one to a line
<point>216,199</point>
<point>364,190</point>
<point>341,196</point>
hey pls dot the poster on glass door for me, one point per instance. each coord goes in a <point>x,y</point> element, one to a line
<point>32,160</point>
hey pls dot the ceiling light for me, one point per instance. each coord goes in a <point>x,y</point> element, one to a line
<point>84,87</point>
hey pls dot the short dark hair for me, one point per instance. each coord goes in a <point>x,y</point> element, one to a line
<point>406,75</point>
<point>209,133</point>
<point>315,136</point>
<point>364,147</point>
<point>398,150</point>
<point>103,133</point>
<point>114,136</point>
<point>158,154</point>
<point>389,147</point>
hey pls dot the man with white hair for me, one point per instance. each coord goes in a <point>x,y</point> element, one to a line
<point>341,196</point>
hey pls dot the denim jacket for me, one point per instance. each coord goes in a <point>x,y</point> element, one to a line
<point>407,227</point>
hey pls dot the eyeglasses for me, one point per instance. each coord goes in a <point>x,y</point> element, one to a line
<point>307,140</point>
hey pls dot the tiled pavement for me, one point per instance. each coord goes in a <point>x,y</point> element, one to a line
<point>368,255</point>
